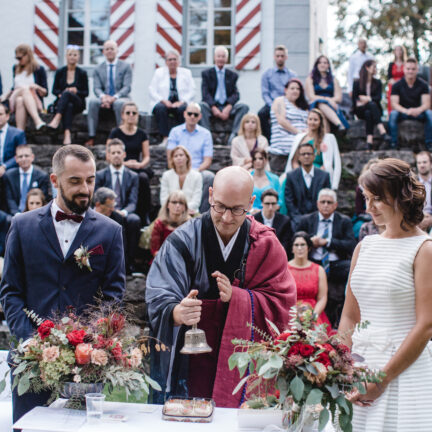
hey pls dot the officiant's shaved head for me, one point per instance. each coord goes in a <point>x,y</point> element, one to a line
<point>230,199</point>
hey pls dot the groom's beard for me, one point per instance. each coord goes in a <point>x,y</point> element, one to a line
<point>72,204</point>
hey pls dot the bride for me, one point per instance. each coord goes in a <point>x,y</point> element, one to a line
<point>390,286</point>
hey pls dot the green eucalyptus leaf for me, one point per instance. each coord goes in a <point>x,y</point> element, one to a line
<point>361,388</point>
<point>342,402</point>
<point>240,384</point>
<point>20,368</point>
<point>154,384</point>
<point>23,385</point>
<point>334,390</point>
<point>323,419</point>
<point>311,368</point>
<point>314,397</point>
<point>297,388</point>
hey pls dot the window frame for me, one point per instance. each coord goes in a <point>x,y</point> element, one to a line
<point>210,35</point>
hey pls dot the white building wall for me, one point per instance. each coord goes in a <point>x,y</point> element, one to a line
<point>318,30</point>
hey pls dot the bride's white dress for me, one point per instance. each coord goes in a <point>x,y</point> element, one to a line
<point>383,284</point>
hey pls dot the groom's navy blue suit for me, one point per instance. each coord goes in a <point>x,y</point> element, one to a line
<point>36,276</point>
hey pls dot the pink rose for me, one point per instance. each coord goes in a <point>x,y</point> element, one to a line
<point>135,358</point>
<point>50,354</point>
<point>99,357</point>
<point>83,353</point>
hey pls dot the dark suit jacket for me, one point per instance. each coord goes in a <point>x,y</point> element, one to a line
<point>39,179</point>
<point>375,96</point>
<point>40,78</point>
<point>81,83</point>
<point>129,186</point>
<point>296,201</point>
<point>14,138</point>
<point>282,226</point>
<point>342,242</point>
<point>209,86</point>
<point>36,276</point>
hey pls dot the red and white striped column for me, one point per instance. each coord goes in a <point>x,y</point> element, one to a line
<point>247,34</point>
<point>122,27</point>
<point>46,32</point>
<point>169,28</point>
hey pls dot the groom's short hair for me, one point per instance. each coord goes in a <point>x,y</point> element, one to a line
<point>77,151</point>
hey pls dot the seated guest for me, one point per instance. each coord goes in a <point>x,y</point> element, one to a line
<point>262,178</point>
<point>310,278</point>
<point>270,217</point>
<point>112,82</point>
<point>220,96</point>
<point>124,182</point>
<point>29,88</point>
<point>173,213</point>
<point>182,177</point>
<point>410,99</point>
<point>366,98</point>
<point>356,61</point>
<point>303,185</point>
<point>288,118</point>
<point>137,155</point>
<point>171,89</point>
<point>18,181</point>
<point>35,199</point>
<point>325,147</point>
<point>199,143</point>
<point>333,242</point>
<point>324,92</point>
<point>395,71</point>
<point>71,88</point>
<point>238,271</point>
<point>10,139</point>
<point>424,171</point>
<point>273,85</point>
<point>249,139</point>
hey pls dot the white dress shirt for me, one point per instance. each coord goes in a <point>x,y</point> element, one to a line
<point>3,134</point>
<point>66,230</point>
<point>355,63</point>
<point>308,176</point>
<point>114,175</point>
<point>268,222</point>
<point>428,187</point>
<point>114,63</point>
<point>226,250</point>
<point>29,175</point>
<point>318,253</point>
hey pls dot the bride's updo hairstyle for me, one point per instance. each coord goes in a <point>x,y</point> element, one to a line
<point>392,180</point>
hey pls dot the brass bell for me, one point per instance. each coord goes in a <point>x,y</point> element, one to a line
<point>195,341</point>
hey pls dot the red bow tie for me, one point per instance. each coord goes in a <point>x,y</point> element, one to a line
<point>63,216</point>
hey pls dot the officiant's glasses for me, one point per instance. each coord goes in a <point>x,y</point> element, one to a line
<point>236,211</point>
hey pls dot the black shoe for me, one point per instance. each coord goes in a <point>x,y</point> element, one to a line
<point>386,137</point>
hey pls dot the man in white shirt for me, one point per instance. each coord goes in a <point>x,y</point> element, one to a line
<point>356,61</point>
<point>424,170</point>
<point>112,82</point>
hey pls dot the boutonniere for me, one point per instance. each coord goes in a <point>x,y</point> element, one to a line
<point>82,257</point>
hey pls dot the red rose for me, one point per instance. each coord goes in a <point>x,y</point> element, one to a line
<point>76,337</point>
<point>116,349</point>
<point>306,350</point>
<point>328,347</point>
<point>44,329</point>
<point>324,359</point>
<point>343,348</point>
<point>295,349</point>
<point>101,342</point>
<point>117,322</point>
<point>277,394</point>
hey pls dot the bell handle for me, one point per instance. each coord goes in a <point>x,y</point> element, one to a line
<point>193,297</point>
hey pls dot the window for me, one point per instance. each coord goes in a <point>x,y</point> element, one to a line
<point>209,23</point>
<point>87,26</point>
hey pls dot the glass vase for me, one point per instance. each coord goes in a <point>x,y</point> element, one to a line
<point>293,416</point>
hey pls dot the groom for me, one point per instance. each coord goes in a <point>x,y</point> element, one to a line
<point>40,272</point>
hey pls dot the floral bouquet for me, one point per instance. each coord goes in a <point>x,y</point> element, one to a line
<point>301,368</point>
<point>100,347</point>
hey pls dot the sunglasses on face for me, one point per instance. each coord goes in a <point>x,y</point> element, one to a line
<point>192,114</point>
<point>133,113</point>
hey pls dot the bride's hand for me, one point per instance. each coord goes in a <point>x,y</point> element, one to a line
<point>373,392</point>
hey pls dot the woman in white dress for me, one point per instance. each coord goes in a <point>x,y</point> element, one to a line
<point>391,288</point>
<point>182,177</point>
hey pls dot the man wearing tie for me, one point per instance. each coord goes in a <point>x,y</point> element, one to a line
<point>10,139</point>
<point>334,242</point>
<point>112,82</point>
<point>220,94</point>
<point>124,182</point>
<point>18,181</point>
<point>40,271</point>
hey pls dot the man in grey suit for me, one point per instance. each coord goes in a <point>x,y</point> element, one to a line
<point>112,82</point>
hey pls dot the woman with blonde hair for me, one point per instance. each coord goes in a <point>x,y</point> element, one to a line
<point>71,88</point>
<point>248,140</point>
<point>182,177</point>
<point>173,213</point>
<point>327,156</point>
<point>29,88</point>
